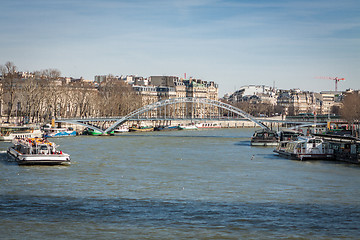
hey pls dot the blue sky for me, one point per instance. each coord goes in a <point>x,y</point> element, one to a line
<point>233,43</point>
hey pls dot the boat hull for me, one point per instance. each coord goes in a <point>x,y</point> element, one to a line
<point>39,159</point>
<point>141,129</point>
<point>304,156</point>
<point>172,128</point>
<point>96,133</point>
<point>121,130</point>
<point>188,128</point>
<point>263,143</point>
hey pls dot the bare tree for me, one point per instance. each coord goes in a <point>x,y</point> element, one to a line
<point>335,110</point>
<point>81,94</point>
<point>117,97</point>
<point>9,74</point>
<point>350,109</point>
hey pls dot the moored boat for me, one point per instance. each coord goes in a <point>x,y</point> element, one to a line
<point>37,151</point>
<point>264,137</point>
<point>122,129</point>
<point>59,132</point>
<point>11,132</point>
<point>305,148</point>
<point>141,129</point>
<point>166,128</point>
<point>90,131</point>
<point>188,127</point>
<point>207,125</point>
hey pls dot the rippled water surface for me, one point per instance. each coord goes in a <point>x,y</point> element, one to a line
<point>207,184</point>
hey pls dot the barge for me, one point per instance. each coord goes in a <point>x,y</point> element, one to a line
<point>305,148</point>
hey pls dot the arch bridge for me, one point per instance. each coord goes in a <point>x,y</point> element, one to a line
<point>181,108</point>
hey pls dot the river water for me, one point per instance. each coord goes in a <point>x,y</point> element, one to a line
<point>208,184</point>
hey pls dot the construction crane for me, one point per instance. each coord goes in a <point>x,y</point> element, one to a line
<point>336,79</point>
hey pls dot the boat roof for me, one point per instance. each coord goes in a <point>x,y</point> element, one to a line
<point>16,127</point>
<point>338,138</point>
<point>289,130</point>
<point>265,130</point>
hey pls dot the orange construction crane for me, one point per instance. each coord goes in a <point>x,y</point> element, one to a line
<point>336,79</point>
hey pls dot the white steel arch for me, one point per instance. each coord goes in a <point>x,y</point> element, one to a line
<point>172,101</point>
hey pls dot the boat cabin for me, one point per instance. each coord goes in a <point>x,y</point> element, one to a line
<point>264,137</point>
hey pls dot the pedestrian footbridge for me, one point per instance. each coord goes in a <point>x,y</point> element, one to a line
<point>169,109</point>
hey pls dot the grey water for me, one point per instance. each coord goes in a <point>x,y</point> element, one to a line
<point>208,184</point>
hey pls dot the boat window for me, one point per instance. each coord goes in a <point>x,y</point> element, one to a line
<point>43,147</point>
<point>15,129</point>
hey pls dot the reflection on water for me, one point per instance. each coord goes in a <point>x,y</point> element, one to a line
<point>197,184</point>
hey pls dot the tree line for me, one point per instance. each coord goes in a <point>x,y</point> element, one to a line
<point>45,94</point>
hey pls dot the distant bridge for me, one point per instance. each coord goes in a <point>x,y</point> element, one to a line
<point>196,109</point>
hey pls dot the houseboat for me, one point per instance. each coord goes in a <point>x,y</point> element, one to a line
<point>264,137</point>
<point>37,151</point>
<point>305,148</point>
<point>11,132</point>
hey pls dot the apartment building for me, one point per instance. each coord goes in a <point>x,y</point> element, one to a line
<point>331,99</point>
<point>293,101</point>
<point>165,87</point>
<point>254,94</point>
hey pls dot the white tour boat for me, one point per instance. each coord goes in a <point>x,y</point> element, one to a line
<point>34,151</point>
<point>11,132</point>
<point>305,148</point>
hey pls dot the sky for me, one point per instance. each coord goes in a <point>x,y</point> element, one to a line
<point>289,44</point>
